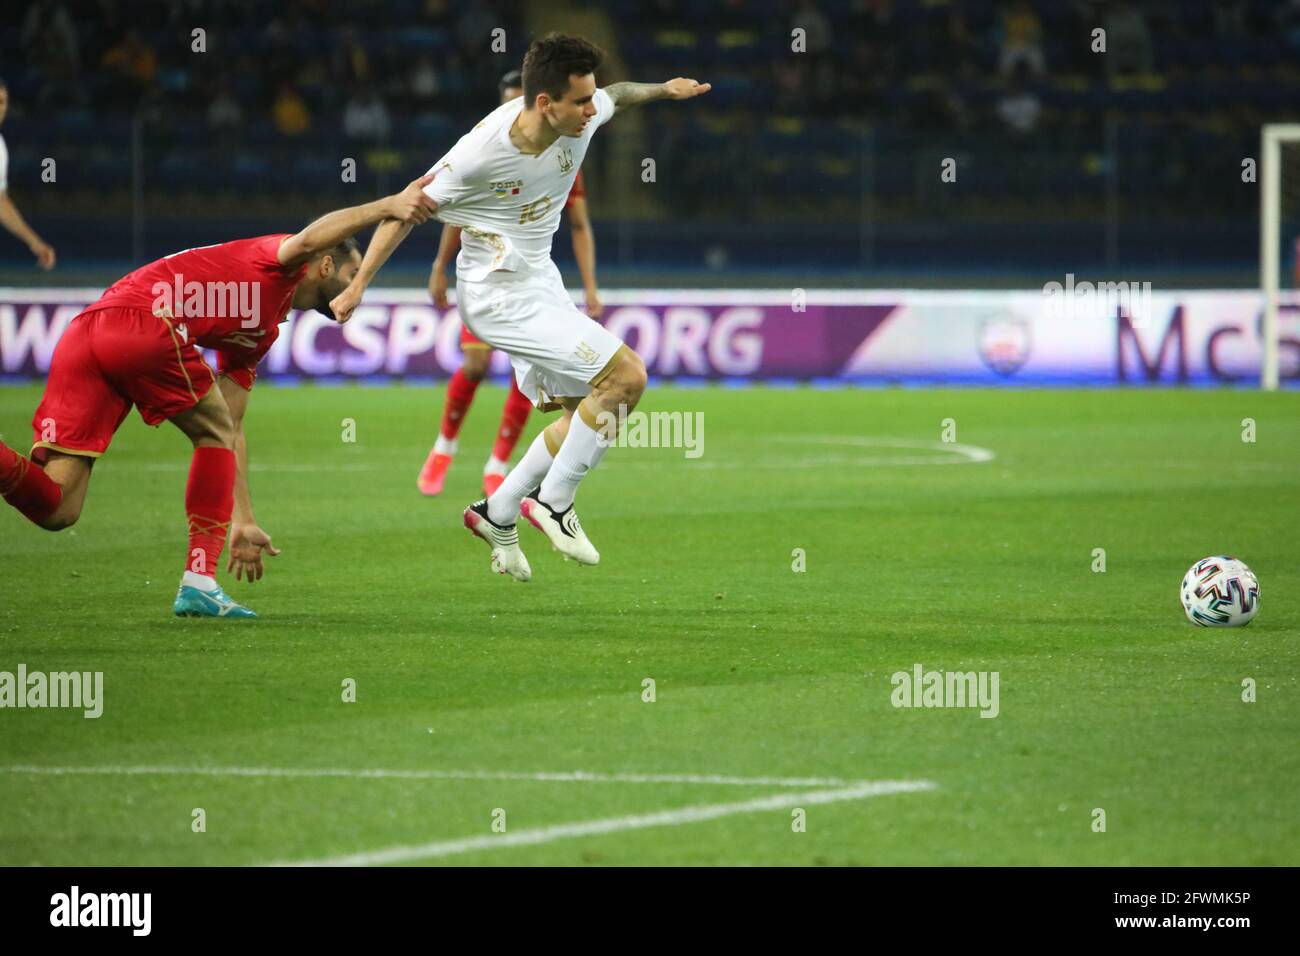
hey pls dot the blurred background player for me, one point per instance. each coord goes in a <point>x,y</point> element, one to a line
<point>139,345</point>
<point>10,217</point>
<point>477,354</point>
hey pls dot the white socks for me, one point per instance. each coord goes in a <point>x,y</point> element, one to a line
<point>446,446</point>
<point>582,451</point>
<point>201,581</point>
<point>503,506</point>
<point>495,466</point>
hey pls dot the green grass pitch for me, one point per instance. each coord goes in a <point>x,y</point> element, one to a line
<point>1109,699</point>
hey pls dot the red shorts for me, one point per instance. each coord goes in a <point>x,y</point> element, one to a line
<point>468,340</point>
<point>107,361</point>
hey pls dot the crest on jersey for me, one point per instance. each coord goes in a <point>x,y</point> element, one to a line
<point>565,158</point>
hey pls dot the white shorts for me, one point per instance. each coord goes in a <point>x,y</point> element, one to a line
<point>557,351</point>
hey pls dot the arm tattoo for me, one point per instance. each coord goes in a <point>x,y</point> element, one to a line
<point>634,94</point>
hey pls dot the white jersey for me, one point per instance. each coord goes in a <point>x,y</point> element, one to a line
<point>4,166</point>
<point>508,203</point>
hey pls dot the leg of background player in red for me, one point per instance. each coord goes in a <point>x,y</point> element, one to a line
<point>460,393</point>
<point>513,418</point>
<point>51,495</point>
<point>210,491</point>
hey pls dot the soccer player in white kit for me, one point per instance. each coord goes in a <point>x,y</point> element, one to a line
<point>10,217</point>
<point>504,183</point>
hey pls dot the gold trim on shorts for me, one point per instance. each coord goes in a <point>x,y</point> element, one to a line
<point>609,366</point>
<point>66,451</point>
<point>181,362</point>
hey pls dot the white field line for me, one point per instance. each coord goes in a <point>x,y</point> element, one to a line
<point>570,776</point>
<point>562,831</point>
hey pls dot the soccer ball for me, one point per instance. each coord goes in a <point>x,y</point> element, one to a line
<point>1220,591</point>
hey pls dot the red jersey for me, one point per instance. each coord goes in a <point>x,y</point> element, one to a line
<point>577,191</point>
<point>229,297</point>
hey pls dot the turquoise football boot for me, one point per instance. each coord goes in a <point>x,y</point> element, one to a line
<point>191,602</point>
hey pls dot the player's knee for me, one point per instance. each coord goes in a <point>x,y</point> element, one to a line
<point>475,366</point>
<point>215,431</point>
<point>631,378</point>
<point>63,517</point>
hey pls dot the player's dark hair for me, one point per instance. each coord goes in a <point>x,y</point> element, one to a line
<point>552,59</point>
<point>344,251</point>
<point>514,78</point>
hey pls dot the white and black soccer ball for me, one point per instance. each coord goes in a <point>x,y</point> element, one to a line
<point>1220,591</point>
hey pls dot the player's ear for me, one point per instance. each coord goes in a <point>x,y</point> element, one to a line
<point>326,267</point>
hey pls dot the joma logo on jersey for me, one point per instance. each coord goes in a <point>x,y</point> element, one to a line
<point>565,159</point>
<point>506,188</point>
<point>585,353</point>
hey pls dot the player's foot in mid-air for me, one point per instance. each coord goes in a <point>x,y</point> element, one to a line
<point>507,557</point>
<point>434,473</point>
<point>562,528</point>
<point>195,602</point>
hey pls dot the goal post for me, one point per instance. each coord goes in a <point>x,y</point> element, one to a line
<point>1273,139</point>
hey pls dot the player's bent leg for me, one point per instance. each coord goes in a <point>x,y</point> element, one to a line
<point>514,416</point>
<point>527,476</point>
<point>507,556</point>
<point>561,525</point>
<point>623,385</point>
<point>49,493</point>
<point>476,362</point>
<point>592,430</point>
<point>209,502</point>
<point>72,474</point>
<point>460,395</point>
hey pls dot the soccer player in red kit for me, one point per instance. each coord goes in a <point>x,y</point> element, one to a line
<point>139,345</point>
<point>478,354</point>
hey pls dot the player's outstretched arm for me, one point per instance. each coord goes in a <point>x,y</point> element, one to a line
<point>388,236</point>
<point>634,94</point>
<point>411,206</point>
<point>247,540</point>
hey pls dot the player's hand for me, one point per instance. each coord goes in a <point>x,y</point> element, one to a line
<point>247,543</point>
<point>44,253</point>
<point>595,308</point>
<point>346,302</point>
<point>438,287</point>
<point>683,89</point>
<point>412,205</point>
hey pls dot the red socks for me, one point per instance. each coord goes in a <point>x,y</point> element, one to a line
<point>460,392</point>
<point>209,500</point>
<point>513,418</point>
<point>25,486</point>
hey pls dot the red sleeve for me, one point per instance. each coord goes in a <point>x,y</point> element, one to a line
<point>579,191</point>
